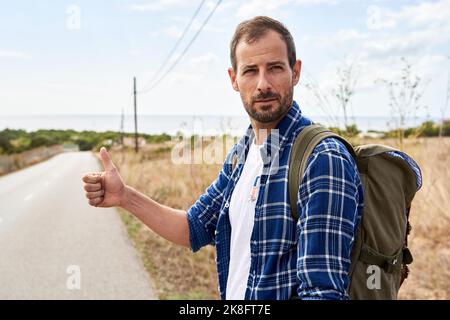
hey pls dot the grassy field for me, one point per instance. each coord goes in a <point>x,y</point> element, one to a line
<point>430,220</point>
<point>179,274</point>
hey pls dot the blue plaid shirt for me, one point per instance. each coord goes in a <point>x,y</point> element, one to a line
<point>309,257</point>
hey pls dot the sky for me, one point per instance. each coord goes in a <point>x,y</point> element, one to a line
<point>80,56</point>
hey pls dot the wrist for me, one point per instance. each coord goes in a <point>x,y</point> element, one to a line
<point>125,197</point>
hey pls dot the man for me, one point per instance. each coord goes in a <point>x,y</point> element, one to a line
<point>262,252</point>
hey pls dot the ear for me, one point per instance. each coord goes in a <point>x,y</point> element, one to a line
<point>232,75</point>
<point>296,72</point>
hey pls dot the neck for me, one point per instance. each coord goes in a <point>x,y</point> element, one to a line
<point>262,130</point>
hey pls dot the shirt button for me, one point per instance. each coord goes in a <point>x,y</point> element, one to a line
<point>227,205</point>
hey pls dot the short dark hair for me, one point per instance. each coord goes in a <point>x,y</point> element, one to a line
<point>253,29</point>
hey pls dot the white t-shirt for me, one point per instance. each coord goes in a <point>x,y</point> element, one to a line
<point>242,215</point>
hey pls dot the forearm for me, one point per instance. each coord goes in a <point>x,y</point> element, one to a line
<point>169,223</point>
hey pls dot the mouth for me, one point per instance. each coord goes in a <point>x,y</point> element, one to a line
<point>266,100</point>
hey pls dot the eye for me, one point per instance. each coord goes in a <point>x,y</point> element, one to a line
<point>276,67</point>
<point>249,71</point>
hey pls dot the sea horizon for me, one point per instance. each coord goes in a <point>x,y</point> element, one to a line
<point>174,124</point>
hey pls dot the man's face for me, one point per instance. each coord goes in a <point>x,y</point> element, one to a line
<point>264,78</point>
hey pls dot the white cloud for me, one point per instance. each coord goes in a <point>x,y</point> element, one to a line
<point>315,2</point>
<point>174,32</point>
<point>225,5</point>
<point>256,7</point>
<point>11,54</point>
<point>344,37</point>
<point>196,24</point>
<point>371,97</point>
<point>204,61</point>
<point>431,66</point>
<point>409,43</point>
<point>379,18</point>
<point>395,34</point>
<point>195,69</point>
<point>427,67</point>
<point>417,32</point>
<point>159,5</point>
<point>426,13</point>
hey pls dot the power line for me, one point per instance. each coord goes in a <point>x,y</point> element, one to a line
<point>184,51</point>
<point>174,47</point>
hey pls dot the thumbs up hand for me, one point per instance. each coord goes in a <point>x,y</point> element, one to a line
<point>104,189</point>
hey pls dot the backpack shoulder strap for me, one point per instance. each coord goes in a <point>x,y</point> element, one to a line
<point>304,144</point>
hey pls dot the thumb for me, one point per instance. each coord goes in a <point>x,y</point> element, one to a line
<point>106,159</point>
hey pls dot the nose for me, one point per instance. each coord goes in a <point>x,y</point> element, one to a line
<point>264,84</point>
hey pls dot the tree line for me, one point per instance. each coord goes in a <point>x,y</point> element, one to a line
<point>16,141</point>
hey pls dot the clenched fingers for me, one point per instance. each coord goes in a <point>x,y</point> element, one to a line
<point>95,194</point>
<point>92,177</point>
<point>90,187</point>
<point>96,201</point>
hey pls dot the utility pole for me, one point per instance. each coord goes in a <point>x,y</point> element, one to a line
<point>136,146</point>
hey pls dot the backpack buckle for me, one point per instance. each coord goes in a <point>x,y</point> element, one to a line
<point>390,265</point>
<point>406,259</point>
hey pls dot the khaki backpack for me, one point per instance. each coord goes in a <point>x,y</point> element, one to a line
<point>380,254</point>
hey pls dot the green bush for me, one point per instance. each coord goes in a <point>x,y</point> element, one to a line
<point>426,129</point>
<point>350,131</point>
<point>446,128</point>
<point>42,140</point>
<point>86,144</point>
<point>157,138</point>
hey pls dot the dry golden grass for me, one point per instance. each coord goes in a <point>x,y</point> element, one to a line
<point>430,218</point>
<point>179,274</point>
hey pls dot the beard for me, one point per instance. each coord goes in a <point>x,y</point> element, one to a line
<point>272,111</point>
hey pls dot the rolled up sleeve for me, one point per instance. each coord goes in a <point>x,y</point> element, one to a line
<point>202,216</point>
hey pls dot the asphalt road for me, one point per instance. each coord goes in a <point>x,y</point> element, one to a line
<point>53,245</point>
